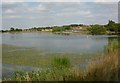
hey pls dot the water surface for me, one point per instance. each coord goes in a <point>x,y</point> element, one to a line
<point>57,43</point>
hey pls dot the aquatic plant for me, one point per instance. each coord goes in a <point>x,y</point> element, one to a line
<point>61,63</point>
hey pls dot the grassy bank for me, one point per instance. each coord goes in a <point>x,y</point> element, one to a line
<point>102,68</point>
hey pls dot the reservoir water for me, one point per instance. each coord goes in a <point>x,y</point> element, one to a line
<point>57,43</point>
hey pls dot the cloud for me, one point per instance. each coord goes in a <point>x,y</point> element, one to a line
<point>106,0</point>
<point>9,11</point>
<point>25,8</point>
<point>7,1</point>
<point>50,14</point>
<point>37,9</point>
<point>12,1</point>
<point>12,16</point>
<point>77,13</point>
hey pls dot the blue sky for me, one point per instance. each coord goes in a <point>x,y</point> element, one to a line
<point>35,14</point>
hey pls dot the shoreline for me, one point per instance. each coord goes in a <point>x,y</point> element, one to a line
<point>64,33</point>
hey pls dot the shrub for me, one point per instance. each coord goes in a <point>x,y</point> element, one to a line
<point>97,30</point>
<point>61,63</point>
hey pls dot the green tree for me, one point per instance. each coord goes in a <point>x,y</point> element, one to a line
<point>97,29</point>
<point>18,29</point>
<point>12,29</point>
<point>113,27</point>
<point>62,28</point>
<point>116,27</point>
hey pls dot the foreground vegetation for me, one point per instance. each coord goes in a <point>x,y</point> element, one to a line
<point>102,68</point>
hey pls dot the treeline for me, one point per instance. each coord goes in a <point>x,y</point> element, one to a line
<point>11,30</point>
<point>61,28</point>
<point>54,28</point>
<point>110,28</point>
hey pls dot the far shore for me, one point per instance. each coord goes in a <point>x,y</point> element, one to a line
<point>61,33</point>
<point>111,28</point>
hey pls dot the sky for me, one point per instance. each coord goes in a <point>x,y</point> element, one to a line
<point>27,14</point>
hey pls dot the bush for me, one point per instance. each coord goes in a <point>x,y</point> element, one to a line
<point>97,30</point>
<point>61,63</point>
<point>62,28</point>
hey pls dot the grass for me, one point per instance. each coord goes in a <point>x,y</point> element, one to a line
<point>61,63</point>
<point>32,57</point>
<point>102,68</point>
<point>17,55</point>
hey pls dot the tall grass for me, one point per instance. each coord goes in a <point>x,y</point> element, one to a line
<point>61,63</point>
<point>103,68</point>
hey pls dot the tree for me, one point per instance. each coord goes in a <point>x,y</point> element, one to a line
<point>97,29</point>
<point>18,29</point>
<point>116,27</point>
<point>62,28</point>
<point>12,29</point>
<point>113,27</point>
